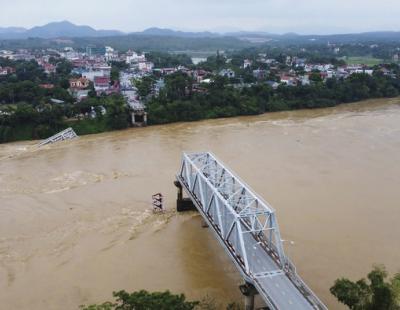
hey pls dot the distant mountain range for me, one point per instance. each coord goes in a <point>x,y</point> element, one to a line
<point>55,30</point>
<point>67,29</point>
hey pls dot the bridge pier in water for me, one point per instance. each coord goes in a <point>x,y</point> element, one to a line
<point>249,292</point>
<point>183,204</point>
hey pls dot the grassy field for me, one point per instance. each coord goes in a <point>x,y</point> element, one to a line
<point>363,60</point>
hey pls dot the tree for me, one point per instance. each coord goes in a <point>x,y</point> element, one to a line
<point>64,67</point>
<point>144,85</point>
<point>178,85</point>
<point>143,300</point>
<point>375,295</point>
<point>117,112</point>
<point>114,75</point>
<point>315,76</point>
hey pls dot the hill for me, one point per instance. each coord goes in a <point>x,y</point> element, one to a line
<point>55,30</point>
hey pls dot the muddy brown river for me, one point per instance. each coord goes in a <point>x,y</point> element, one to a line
<point>75,219</point>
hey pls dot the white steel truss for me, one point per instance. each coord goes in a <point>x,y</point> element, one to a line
<point>66,134</point>
<point>244,223</point>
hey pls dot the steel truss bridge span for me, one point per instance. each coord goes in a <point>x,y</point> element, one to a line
<point>247,228</point>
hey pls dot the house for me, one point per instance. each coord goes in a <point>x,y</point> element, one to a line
<point>48,68</point>
<point>259,74</point>
<point>167,71</point>
<point>6,70</point>
<point>247,63</point>
<point>46,86</point>
<point>229,73</point>
<point>7,54</point>
<point>199,75</point>
<point>300,62</point>
<point>79,94</point>
<point>385,71</point>
<point>369,71</point>
<point>80,83</point>
<point>145,66</point>
<point>110,54</point>
<point>304,80</point>
<point>3,71</point>
<point>101,83</point>
<point>288,80</point>
<point>133,57</point>
<point>330,73</point>
<point>92,74</point>
<point>273,84</point>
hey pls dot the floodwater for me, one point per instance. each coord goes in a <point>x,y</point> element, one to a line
<point>75,219</point>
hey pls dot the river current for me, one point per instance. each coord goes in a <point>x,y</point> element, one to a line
<point>76,222</point>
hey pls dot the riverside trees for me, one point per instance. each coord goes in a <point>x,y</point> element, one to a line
<point>376,293</point>
<point>179,101</point>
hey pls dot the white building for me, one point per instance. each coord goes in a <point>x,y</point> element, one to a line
<point>145,66</point>
<point>229,73</point>
<point>133,57</point>
<point>247,63</point>
<point>110,54</point>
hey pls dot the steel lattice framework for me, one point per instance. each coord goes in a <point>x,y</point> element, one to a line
<point>247,228</point>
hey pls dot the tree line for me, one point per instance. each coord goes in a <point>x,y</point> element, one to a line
<point>377,292</point>
<point>179,101</point>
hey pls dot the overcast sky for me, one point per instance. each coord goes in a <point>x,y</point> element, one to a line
<point>278,16</point>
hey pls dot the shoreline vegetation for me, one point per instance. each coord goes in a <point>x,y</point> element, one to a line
<point>176,104</point>
<point>377,291</point>
<point>92,127</point>
<point>36,105</point>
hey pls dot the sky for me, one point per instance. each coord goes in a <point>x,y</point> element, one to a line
<point>275,16</point>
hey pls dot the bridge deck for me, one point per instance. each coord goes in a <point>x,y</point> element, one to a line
<point>247,229</point>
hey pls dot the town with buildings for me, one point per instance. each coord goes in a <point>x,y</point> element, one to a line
<point>94,72</point>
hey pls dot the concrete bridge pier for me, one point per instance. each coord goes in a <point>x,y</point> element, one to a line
<point>249,292</point>
<point>183,204</point>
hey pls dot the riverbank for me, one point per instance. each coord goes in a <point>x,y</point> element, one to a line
<point>94,126</point>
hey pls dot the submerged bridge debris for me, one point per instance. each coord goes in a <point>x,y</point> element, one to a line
<point>246,227</point>
<point>66,134</point>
